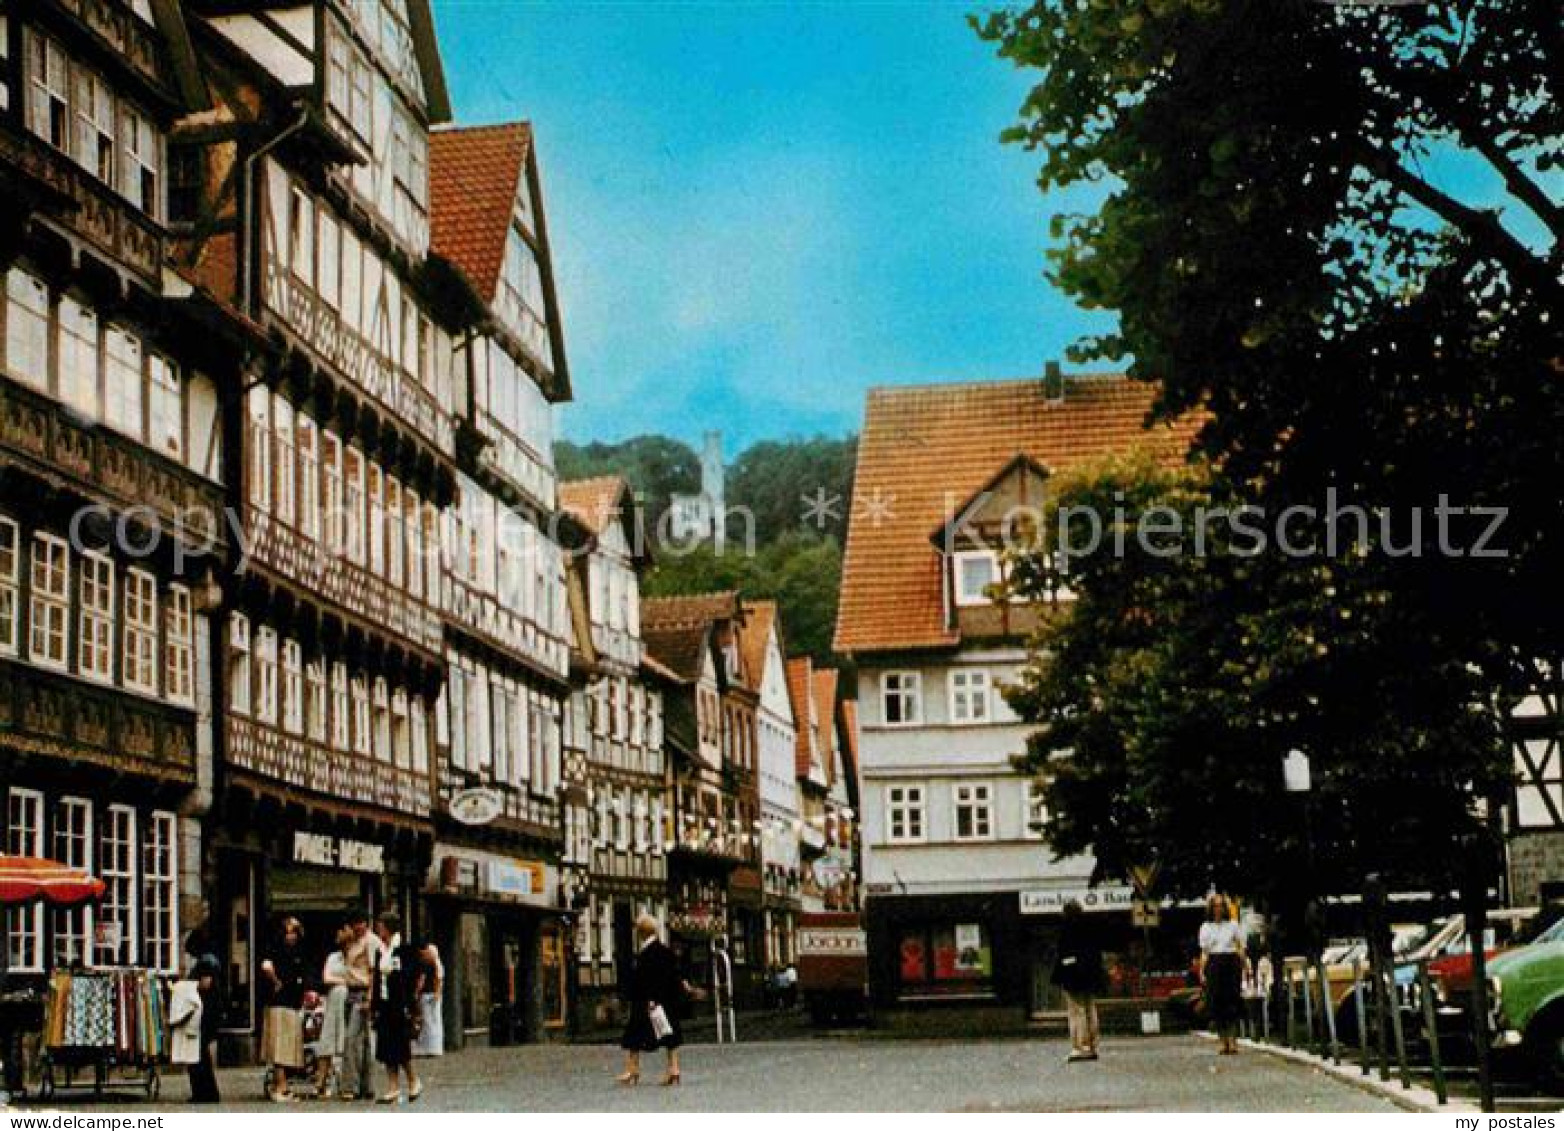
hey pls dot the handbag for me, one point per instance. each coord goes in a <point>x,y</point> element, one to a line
<point>661,1026</point>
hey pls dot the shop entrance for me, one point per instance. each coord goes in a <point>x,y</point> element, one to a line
<point>321,900</point>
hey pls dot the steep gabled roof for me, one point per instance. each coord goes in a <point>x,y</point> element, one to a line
<point>694,608</point>
<point>755,631</point>
<point>678,648</point>
<point>800,690</point>
<point>474,175</point>
<point>926,450</point>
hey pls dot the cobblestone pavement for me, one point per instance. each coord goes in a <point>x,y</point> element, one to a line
<point>862,1074</point>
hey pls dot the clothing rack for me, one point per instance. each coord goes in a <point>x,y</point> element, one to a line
<point>110,1019</point>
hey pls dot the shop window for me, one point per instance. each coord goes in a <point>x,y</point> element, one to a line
<point>160,906</point>
<point>117,870</point>
<point>901,697</point>
<point>945,958</point>
<point>27,328</point>
<point>73,848</point>
<point>239,664</point>
<point>139,663</point>
<point>10,585</point>
<point>904,815</point>
<point>24,837</point>
<point>974,812</point>
<point>50,611</point>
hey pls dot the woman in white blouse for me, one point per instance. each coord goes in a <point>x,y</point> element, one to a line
<point>1222,969</point>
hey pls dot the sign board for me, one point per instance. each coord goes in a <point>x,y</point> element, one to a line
<point>831,869</point>
<point>106,934</point>
<point>850,942</point>
<point>476,806</point>
<point>1052,901</point>
<point>504,877</point>
<point>1144,878</point>
<point>326,851</point>
<point>1145,914</point>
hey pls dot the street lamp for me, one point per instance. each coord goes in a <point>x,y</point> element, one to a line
<point>1295,772</point>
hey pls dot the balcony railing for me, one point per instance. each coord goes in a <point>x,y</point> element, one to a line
<point>339,580</point>
<point>112,467</point>
<point>50,714</point>
<point>94,211</point>
<point>319,326</point>
<point>298,762</point>
<point>482,614</point>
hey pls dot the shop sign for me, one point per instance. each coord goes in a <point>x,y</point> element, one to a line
<point>476,806</point>
<point>831,869</point>
<point>832,942</point>
<point>1051,902</point>
<point>504,877</point>
<point>326,851</point>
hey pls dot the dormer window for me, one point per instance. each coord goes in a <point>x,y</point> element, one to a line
<point>975,572</point>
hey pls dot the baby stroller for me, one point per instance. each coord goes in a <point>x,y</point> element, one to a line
<point>313,1014</point>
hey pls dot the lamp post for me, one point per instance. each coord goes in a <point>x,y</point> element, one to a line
<point>1298,781</point>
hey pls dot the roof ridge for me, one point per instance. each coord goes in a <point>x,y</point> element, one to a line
<point>991,383</point>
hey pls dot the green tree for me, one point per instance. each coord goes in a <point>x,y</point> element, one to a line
<point>656,467</point>
<point>1280,259</point>
<point>778,479</point>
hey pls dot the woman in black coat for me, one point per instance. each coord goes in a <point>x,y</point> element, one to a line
<point>394,990</point>
<point>656,992</point>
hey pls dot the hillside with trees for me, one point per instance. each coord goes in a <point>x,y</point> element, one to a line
<point>799,492</point>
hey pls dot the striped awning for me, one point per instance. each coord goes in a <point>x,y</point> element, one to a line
<point>27,879</point>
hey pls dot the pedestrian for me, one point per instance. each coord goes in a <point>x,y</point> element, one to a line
<point>398,980</point>
<point>431,1029</point>
<point>657,993</point>
<point>363,949</point>
<point>282,1034</point>
<point>333,1039</point>
<point>199,1027</point>
<point>1078,972</point>
<point>1259,978</point>
<point>1221,970</point>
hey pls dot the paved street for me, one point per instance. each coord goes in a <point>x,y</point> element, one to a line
<point>851,1074</point>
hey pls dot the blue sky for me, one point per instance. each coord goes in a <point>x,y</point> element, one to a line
<point>759,210</point>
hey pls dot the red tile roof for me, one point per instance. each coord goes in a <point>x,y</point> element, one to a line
<point>800,682</point>
<point>474,173</point>
<point>594,502</point>
<point>688,609</point>
<point>926,450</point>
<point>678,648</point>
<point>824,684</point>
<point>759,617</point>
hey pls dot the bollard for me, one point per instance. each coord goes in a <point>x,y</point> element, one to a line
<point>1328,1007</point>
<point>1403,1069</point>
<point>1381,1028</point>
<point>1308,1006</point>
<point>1425,991</point>
<point>1360,1016</point>
<point>1292,1035</point>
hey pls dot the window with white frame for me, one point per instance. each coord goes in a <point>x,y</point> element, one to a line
<point>50,104</point>
<point>308,448</point>
<point>10,585</point>
<point>292,687</point>
<point>974,811</point>
<point>122,384</point>
<point>117,870</point>
<point>381,712</point>
<point>418,723</point>
<point>178,646</point>
<point>94,125</point>
<point>24,837</point>
<point>315,715</point>
<point>341,711</point>
<point>301,229</point>
<point>396,545</point>
<point>358,688</point>
<point>160,894</point>
<point>260,464</point>
<point>331,494</point>
<point>374,492</point>
<point>27,328</point>
<point>904,815</point>
<point>901,698</point>
<point>139,664</point>
<point>165,409</point>
<point>353,502</point>
<point>141,171</point>
<point>328,283</point>
<point>284,492</point>
<point>78,357</point>
<point>415,543</point>
<point>73,848</point>
<point>51,601</point>
<point>239,664</point>
<point>95,633</point>
<point>266,674</point>
<point>1034,817</point>
<point>970,696</point>
<point>976,570</point>
<point>401,740</point>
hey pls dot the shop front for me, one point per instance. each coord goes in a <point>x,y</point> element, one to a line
<point>502,934</point>
<point>270,864</point>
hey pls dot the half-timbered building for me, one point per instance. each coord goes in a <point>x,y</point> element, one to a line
<point>112,535</point>
<point>614,822</point>
<point>302,199</point>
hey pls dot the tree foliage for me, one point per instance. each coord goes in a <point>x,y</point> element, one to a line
<point>1283,259</point>
<point>656,467</point>
<point>775,479</point>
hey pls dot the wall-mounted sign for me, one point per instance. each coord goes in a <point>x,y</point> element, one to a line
<point>326,851</point>
<point>832,869</point>
<point>1115,898</point>
<point>106,935</point>
<point>504,877</point>
<point>476,806</point>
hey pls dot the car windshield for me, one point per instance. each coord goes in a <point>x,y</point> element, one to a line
<point>1553,934</point>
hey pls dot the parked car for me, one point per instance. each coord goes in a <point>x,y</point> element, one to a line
<point>1526,986</point>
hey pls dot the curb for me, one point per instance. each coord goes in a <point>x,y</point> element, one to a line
<point>1414,1099</point>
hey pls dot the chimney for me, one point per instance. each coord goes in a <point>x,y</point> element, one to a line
<point>1053,383</point>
